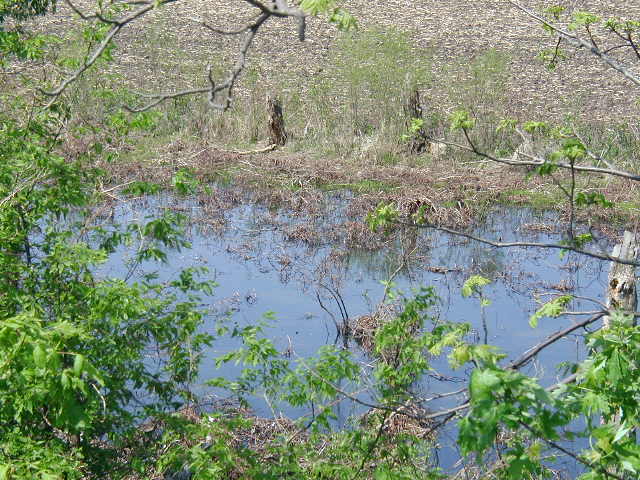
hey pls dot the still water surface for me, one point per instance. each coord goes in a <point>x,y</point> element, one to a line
<point>267,259</point>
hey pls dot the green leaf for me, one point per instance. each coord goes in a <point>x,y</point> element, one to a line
<point>382,473</point>
<point>39,356</point>
<point>506,124</point>
<point>592,198</point>
<point>460,356</point>
<point>555,11</point>
<point>382,217</point>
<point>552,309</point>
<point>483,384</point>
<point>78,365</point>
<point>583,19</point>
<point>460,120</point>
<point>535,127</point>
<point>473,285</point>
<point>343,20</point>
<point>573,149</point>
<point>184,182</point>
<point>614,367</point>
<point>622,432</point>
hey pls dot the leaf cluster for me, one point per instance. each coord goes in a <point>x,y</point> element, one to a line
<point>74,345</point>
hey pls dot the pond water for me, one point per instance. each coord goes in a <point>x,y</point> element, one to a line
<point>269,259</point>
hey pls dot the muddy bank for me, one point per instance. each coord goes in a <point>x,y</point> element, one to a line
<point>458,194</point>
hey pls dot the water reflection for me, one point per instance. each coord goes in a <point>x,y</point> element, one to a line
<point>306,269</point>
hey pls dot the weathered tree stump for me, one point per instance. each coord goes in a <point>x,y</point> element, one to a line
<point>277,133</point>
<point>621,287</point>
<point>418,142</point>
<point>524,151</point>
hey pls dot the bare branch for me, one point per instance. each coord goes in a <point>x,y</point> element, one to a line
<point>591,37</point>
<point>278,8</point>
<point>115,29</point>
<point>581,43</point>
<point>335,322</point>
<point>569,379</point>
<point>537,161</point>
<point>555,246</point>
<point>533,351</point>
<point>95,16</point>
<point>224,32</point>
<point>629,42</point>
<point>593,155</point>
<point>602,305</point>
<point>239,66</point>
<point>633,45</point>
<point>164,96</point>
<point>616,47</point>
<point>214,89</point>
<point>79,12</point>
<point>26,183</point>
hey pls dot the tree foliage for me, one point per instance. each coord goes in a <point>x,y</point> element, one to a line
<point>22,9</point>
<point>75,346</point>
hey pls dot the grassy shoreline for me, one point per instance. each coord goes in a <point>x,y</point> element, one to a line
<point>459,193</point>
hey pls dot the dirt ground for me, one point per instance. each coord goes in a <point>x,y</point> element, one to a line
<point>167,48</point>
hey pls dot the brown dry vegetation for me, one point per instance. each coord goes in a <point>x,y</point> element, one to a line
<point>170,50</point>
<point>456,192</point>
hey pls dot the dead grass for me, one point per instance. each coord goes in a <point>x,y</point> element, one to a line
<point>454,194</point>
<point>365,327</point>
<point>402,422</point>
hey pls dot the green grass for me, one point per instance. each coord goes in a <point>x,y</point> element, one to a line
<point>535,199</point>
<point>360,187</point>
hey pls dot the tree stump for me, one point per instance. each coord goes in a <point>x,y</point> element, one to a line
<point>621,287</point>
<point>413,110</point>
<point>524,151</point>
<point>277,133</point>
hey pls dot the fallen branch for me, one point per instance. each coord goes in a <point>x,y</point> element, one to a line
<point>268,148</point>
<point>555,246</point>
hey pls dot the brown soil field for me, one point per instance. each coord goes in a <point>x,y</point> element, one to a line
<point>166,49</point>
